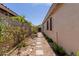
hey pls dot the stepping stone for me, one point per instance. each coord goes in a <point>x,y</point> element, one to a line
<point>39,52</point>
<point>39,35</point>
<point>30,49</point>
<point>38,43</point>
<point>33,44</point>
<point>38,40</point>
<point>38,46</point>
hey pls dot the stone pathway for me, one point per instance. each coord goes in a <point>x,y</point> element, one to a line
<point>39,47</point>
<point>42,48</point>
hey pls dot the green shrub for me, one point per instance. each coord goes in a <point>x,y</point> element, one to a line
<point>19,18</point>
<point>34,29</point>
<point>77,53</point>
<point>11,35</point>
<point>2,29</point>
<point>58,49</point>
<point>48,39</point>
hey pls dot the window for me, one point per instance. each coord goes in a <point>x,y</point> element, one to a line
<point>51,23</point>
<point>47,25</point>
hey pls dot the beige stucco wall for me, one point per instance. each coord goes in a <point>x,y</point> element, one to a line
<point>66,23</point>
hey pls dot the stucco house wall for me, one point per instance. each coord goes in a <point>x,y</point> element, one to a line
<point>66,27</point>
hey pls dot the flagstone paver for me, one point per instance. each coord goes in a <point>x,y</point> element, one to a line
<point>39,52</point>
<point>38,42</point>
<point>42,47</point>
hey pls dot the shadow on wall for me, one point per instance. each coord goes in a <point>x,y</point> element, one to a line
<point>59,51</point>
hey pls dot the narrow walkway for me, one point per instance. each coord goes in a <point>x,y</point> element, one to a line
<point>39,46</point>
<point>42,47</point>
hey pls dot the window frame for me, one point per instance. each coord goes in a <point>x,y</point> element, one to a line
<point>47,25</point>
<point>51,22</point>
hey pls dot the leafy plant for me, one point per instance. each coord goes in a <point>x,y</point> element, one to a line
<point>19,18</point>
<point>59,50</point>
<point>77,53</point>
<point>34,29</point>
<point>2,28</point>
<point>10,34</point>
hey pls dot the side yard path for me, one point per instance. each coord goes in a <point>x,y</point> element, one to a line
<point>42,47</point>
<point>37,46</point>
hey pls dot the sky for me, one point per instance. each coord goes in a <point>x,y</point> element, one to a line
<point>33,12</point>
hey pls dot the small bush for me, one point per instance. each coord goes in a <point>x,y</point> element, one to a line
<point>59,50</point>
<point>47,38</point>
<point>50,40</point>
<point>77,53</point>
